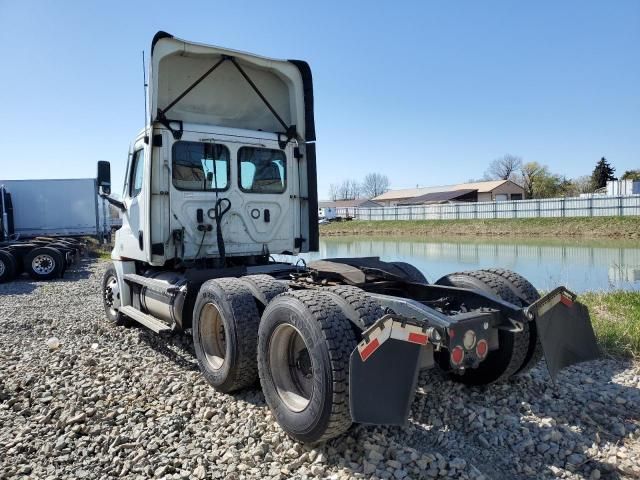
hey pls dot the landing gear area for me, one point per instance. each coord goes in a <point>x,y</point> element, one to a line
<point>321,340</point>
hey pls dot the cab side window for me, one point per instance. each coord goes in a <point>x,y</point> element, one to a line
<point>137,169</point>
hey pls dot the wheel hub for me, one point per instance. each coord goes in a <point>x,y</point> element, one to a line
<point>2,268</point>
<point>43,264</point>
<point>291,367</point>
<point>112,295</point>
<point>213,336</point>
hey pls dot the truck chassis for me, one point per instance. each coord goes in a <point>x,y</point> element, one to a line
<point>323,338</point>
<point>42,258</point>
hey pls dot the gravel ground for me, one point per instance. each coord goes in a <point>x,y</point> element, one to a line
<point>124,402</point>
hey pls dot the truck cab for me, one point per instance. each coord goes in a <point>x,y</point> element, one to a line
<point>225,167</point>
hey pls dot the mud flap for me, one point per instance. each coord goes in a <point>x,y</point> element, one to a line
<point>565,330</point>
<point>381,388</point>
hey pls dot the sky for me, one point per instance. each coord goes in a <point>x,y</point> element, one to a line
<point>425,92</point>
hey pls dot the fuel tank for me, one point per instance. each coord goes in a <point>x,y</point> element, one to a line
<point>165,307</point>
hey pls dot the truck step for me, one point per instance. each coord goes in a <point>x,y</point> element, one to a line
<point>155,285</point>
<point>147,320</point>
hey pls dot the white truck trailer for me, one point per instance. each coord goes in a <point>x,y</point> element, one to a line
<point>39,220</point>
<point>53,208</point>
<point>222,176</point>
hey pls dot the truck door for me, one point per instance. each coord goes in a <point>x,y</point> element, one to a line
<point>131,240</point>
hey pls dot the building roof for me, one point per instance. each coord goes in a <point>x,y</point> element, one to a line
<point>481,187</point>
<point>346,203</point>
<point>437,197</point>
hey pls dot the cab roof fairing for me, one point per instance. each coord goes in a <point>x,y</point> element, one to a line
<point>224,97</point>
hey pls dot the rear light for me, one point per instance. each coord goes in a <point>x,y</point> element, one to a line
<point>469,339</point>
<point>457,355</point>
<point>482,349</point>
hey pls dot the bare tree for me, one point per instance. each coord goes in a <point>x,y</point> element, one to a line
<point>348,190</point>
<point>504,168</point>
<point>530,174</point>
<point>583,184</point>
<point>334,192</point>
<point>374,184</point>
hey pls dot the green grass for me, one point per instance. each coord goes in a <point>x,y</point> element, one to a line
<point>583,227</point>
<point>96,249</point>
<point>616,320</point>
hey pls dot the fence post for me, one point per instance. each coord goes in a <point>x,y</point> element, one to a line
<point>620,208</point>
<point>539,209</point>
<point>591,206</point>
<point>495,209</point>
<point>396,212</point>
<point>563,207</point>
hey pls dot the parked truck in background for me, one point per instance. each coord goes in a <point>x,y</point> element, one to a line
<point>41,220</point>
<point>223,176</point>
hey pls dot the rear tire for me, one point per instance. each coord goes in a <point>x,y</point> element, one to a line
<point>44,263</point>
<point>356,305</point>
<point>411,273</point>
<point>504,362</point>
<point>225,331</point>
<point>304,345</point>
<point>264,288</point>
<point>8,266</point>
<point>528,294</point>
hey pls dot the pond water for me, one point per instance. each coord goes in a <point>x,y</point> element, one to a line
<point>580,266</point>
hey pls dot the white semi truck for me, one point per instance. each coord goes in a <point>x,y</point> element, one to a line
<point>221,178</point>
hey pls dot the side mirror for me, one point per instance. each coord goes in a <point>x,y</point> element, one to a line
<point>104,177</point>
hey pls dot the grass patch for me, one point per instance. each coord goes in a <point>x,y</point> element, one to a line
<point>616,320</point>
<point>583,227</point>
<point>96,249</point>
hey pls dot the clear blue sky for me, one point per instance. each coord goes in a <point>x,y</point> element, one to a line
<point>424,92</point>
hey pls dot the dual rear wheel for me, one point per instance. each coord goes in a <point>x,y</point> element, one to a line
<point>298,343</point>
<point>299,348</point>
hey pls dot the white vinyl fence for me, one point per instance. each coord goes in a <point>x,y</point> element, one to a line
<point>627,205</point>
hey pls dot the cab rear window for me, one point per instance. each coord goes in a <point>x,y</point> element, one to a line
<point>262,170</point>
<point>200,166</point>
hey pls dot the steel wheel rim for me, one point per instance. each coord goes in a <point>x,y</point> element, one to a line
<point>291,367</point>
<point>2,268</point>
<point>213,336</point>
<point>112,294</point>
<point>43,264</point>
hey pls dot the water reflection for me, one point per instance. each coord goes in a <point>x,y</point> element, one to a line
<point>577,265</point>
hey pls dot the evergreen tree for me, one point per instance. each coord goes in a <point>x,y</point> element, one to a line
<point>602,173</point>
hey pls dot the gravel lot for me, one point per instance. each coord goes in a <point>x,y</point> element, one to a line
<point>123,402</point>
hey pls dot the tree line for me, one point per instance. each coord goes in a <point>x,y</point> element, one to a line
<point>372,185</point>
<point>539,182</point>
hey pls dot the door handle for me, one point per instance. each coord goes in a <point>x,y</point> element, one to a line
<point>140,239</point>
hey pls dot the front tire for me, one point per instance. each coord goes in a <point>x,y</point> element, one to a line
<point>304,345</point>
<point>111,298</point>
<point>225,331</point>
